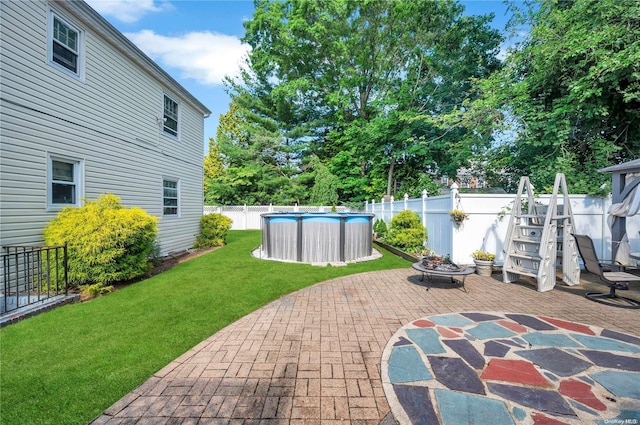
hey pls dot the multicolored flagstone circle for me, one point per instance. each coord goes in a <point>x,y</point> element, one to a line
<point>511,368</point>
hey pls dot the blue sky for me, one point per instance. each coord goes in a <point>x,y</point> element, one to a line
<point>198,42</point>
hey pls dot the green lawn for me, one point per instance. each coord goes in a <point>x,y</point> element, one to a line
<point>68,365</point>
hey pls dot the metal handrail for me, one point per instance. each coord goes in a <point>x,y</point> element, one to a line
<point>32,274</point>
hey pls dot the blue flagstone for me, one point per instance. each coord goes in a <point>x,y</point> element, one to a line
<point>620,336</point>
<point>467,351</point>
<point>459,408</point>
<point>406,365</point>
<point>582,407</point>
<point>519,413</point>
<point>543,400</point>
<point>621,384</point>
<point>625,417</point>
<point>452,320</point>
<point>520,341</point>
<point>531,322</point>
<point>613,361</point>
<point>488,330</point>
<point>587,380</point>
<point>550,340</point>
<point>456,375</point>
<point>551,376</point>
<point>606,344</point>
<point>481,317</point>
<point>495,349</point>
<point>402,341</point>
<point>514,342</point>
<point>555,360</point>
<point>416,403</point>
<point>427,339</point>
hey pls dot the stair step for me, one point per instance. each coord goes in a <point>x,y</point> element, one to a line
<point>522,271</point>
<point>523,255</point>
<point>527,239</point>
<point>529,226</point>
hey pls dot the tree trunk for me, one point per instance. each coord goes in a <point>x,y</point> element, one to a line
<point>390,176</point>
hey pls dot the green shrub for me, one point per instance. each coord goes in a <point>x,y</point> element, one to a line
<point>406,232</point>
<point>106,241</point>
<point>380,228</point>
<point>213,230</point>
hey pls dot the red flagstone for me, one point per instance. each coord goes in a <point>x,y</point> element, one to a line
<point>540,419</point>
<point>517,371</point>
<point>457,330</point>
<point>581,392</point>
<point>424,323</point>
<point>516,327</point>
<point>446,332</point>
<point>577,327</point>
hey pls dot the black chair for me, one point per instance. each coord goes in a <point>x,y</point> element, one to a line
<point>611,273</point>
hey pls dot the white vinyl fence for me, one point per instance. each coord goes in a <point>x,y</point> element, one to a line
<point>484,229</point>
<point>248,217</point>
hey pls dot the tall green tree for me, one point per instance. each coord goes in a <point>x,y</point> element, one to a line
<point>213,166</point>
<point>569,94</point>
<point>353,74</point>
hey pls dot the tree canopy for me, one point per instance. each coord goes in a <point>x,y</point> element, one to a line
<point>347,100</point>
<point>568,95</point>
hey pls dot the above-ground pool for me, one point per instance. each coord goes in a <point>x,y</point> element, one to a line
<point>317,237</point>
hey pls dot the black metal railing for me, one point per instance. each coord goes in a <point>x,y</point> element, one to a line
<point>31,275</point>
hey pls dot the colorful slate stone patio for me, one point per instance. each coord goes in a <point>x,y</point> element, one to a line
<point>512,369</point>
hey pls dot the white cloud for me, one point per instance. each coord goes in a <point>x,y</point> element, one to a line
<point>204,56</point>
<point>127,10</point>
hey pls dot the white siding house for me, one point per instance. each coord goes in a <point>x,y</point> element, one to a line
<point>85,112</point>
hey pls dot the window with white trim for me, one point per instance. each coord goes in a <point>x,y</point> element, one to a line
<point>170,116</point>
<point>65,45</point>
<point>64,185</point>
<point>170,197</point>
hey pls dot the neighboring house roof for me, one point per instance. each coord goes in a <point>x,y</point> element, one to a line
<point>90,17</point>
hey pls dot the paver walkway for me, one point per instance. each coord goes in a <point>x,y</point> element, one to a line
<point>314,357</point>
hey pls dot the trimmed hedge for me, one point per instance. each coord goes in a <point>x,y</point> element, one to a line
<point>213,230</point>
<point>406,232</point>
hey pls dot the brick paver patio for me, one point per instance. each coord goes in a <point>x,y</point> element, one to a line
<point>314,356</point>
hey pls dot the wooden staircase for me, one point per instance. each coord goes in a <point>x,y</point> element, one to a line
<point>539,238</point>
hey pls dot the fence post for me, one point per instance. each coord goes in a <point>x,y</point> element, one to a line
<point>245,213</point>
<point>454,195</point>
<point>424,208</point>
<point>406,200</point>
<point>391,208</point>
<point>382,209</point>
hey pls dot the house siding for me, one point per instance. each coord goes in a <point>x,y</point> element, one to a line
<point>108,120</point>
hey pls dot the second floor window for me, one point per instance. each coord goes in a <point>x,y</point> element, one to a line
<point>65,43</point>
<point>170,116</point>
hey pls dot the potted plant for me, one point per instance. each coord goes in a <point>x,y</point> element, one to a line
<point>458,216</point>
<point>484,262</point>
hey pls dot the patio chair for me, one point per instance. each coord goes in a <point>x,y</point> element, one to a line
<point>610,273</point>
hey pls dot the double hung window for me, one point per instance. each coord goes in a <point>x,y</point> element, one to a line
<point>64,181</point>
<point>170,197</point>
<point>170,116</point>
<point>65,45</point>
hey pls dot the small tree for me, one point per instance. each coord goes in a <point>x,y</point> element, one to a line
<point>380,228</point>
<point>406,232</point>
<point>106,242</point>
